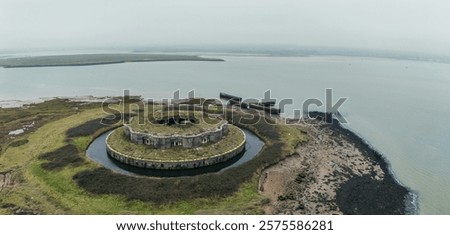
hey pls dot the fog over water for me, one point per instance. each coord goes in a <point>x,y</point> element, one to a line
<point>404,25</point>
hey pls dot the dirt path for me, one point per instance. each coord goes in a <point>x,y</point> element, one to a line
<point>5,180</point>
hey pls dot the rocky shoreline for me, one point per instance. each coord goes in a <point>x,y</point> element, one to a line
<point>335,172</point>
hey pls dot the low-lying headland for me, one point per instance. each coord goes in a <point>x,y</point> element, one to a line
<point>306,167</point>
<point>93,59</point>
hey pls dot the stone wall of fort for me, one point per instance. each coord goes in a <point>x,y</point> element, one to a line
<point>174,165</point>
<point>186,141</point>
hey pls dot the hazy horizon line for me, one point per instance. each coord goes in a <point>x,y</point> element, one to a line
<point>252,49</point>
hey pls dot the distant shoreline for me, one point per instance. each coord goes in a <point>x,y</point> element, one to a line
<point>21,103</point>
<point>95,59</point>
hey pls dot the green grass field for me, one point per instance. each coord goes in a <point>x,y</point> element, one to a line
<point>150,125</point>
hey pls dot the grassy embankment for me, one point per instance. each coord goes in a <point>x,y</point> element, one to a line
<point>119,142</point>
<point>52,175</point>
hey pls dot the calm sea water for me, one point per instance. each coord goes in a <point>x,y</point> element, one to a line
<point>400,107</point>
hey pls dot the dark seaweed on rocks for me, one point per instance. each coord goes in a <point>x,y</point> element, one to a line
<point>359,143</point>
<point>362,194</point>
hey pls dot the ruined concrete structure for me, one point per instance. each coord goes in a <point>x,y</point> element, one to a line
<point>169,141</point>
<point>174,165</point>
<point>178,132</point>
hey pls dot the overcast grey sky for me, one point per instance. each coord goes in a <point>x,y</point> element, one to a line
<point>419,25</point>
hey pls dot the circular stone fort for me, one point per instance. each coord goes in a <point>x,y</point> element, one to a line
<point>175,140</point>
